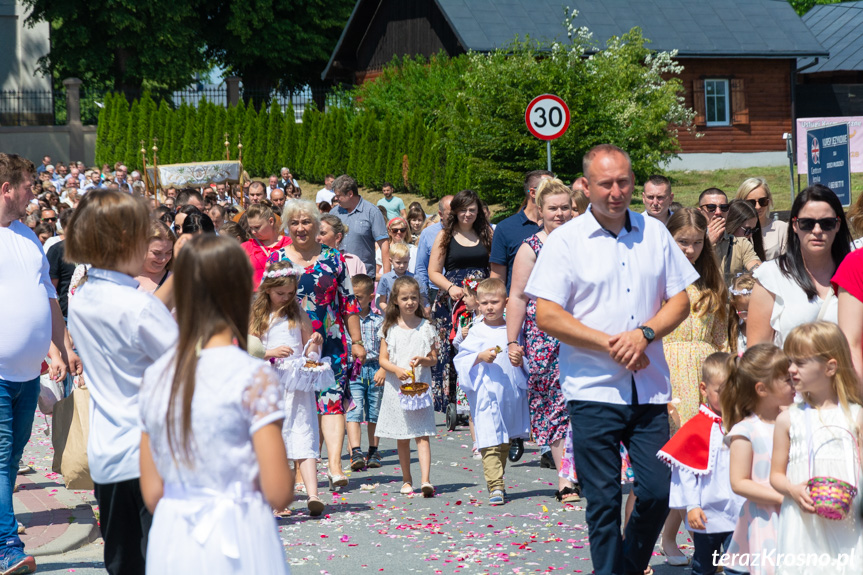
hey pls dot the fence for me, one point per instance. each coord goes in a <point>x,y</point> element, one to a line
<point>48,108</point>
<point>29,107</point>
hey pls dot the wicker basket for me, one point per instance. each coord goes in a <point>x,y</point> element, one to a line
<point>414,396</point>
<point>413,388</point>
<point>832,497</point>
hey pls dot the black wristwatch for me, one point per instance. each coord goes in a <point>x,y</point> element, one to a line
<point>648,332</point>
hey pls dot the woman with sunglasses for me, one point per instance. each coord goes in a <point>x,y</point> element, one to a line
<point>740,248</point>
<point>795,287</point>
<point>774,232</point>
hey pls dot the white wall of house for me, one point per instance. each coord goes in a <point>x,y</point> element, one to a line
<point>20,49</point>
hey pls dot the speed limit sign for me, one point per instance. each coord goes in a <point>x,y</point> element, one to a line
<point>547,117</point>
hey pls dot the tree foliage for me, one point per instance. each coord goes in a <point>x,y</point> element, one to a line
<point>804,6</point>
<point>122,45</point>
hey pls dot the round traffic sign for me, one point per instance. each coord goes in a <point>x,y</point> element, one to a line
<point>547,117</point>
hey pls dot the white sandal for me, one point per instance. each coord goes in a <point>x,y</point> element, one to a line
<point>407,489</point>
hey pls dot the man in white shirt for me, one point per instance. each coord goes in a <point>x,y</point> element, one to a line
<point>625,288</point>
<point>30,322</point>
<point>326,193</point>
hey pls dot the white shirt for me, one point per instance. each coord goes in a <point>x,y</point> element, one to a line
<point>496,392</point>
<point>612,285</point>
<point>119,332</point>
<point>25,309</point>
<point>325,195</point>
<point>791,306</point>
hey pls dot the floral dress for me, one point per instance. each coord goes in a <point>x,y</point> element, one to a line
<point>549,418</point>
<point>443,373</point>
<point>326,294</point>
<point>686,348</point>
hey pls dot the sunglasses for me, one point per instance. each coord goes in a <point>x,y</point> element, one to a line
<point>760,201</point>
<point>808,224</point>
<point>399,230</point>
<point>49,219</point>
<point>712,207</point>
<point>746,231</point>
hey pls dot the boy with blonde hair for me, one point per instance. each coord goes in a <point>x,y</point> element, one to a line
<point>496,390</point>
<point>400,259</point>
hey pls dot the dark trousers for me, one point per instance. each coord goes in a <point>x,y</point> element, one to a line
<point>125,525</point>
<point>706,544</point>
<point>597,431</point>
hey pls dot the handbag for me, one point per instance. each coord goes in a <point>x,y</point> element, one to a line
<point>69,437</point>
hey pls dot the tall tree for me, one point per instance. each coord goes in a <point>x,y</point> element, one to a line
<point>273,44</point>
<point>804,6</point>
<point>123,45</point>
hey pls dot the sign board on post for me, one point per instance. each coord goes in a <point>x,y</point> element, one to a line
<point>855,139</point>
<point>829,162</point>
<point>547,118</point>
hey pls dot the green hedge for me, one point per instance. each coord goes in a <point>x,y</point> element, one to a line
<point>342,140</point>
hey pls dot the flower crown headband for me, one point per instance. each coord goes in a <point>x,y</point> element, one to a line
<point>282,273</point>
<point>470,283</point>
<point>739,292</point>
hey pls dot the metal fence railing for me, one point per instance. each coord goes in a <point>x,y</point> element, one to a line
<point>47,107</point>
<point>27,107</point>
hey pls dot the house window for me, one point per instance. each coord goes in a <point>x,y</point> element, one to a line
<point>717,105</point>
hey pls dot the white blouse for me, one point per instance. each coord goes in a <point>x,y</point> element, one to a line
<point>792,307</point>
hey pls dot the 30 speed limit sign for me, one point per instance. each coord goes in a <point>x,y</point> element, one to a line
<point>547,117</point>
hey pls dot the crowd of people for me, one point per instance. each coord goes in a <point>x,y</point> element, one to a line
<point>708,356</point>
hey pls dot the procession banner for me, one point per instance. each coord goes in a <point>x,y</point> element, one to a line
<point>196,174</point>
<point>855,139</point>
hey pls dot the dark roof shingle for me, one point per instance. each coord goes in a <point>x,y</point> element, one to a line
<point>705,28</point>
<point>839,28</point>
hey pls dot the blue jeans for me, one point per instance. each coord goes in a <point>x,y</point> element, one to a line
<point>597,431</point>
<point>367,396</point>
<point>705,545</point>
<point>17,409</point>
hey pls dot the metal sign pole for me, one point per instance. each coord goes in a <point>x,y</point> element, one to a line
<point>548,153</point>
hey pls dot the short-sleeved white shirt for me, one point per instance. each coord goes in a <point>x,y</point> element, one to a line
<point>119,332</point>
<point>25,309</point>
<point>612,284</point>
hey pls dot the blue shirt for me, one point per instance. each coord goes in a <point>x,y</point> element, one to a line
<point>366,226</point>
<point>508,237</point>
<point>424,248</point>
<point>369,326</point>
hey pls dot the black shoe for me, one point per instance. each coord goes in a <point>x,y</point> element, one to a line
<point>357,460</point>
<point>516,450</point>
<point>546,461</point>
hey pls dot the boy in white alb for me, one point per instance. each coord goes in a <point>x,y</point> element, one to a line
<point>496,391</point>
<point>700,481</point>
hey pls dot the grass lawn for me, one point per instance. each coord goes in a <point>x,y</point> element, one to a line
<point>688,185</point>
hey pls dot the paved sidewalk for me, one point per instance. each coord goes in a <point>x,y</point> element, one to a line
<point>56,520</point>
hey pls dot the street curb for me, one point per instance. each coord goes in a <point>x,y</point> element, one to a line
<point>82,527</point>
<point>81,531</point>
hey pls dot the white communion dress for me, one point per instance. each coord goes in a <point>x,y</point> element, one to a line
<point>802,537</point>
<point>213,517</point>
<point>300,429</point>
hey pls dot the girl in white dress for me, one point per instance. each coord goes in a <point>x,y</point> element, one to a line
<point>286,331</point>
<point>408,343</point>
<point>213,462</point>
<point>817,438</point>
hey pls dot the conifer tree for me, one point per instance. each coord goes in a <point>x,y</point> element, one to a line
<point>275,125</point>
<point>130,155</point>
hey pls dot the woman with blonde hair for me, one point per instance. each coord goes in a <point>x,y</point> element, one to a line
<point>773,231</point>
<point>549,418</point>
<point>327,296</point>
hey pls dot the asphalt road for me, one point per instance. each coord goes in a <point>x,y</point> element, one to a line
<point>380,530</point>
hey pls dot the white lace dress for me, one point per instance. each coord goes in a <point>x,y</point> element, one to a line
<point>402,346</point>
<point>300,429</point>
<point>213,517</point>
<point>835,456</point>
